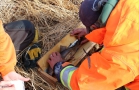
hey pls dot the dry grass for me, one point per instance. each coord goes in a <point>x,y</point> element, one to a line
<point>53,18</point>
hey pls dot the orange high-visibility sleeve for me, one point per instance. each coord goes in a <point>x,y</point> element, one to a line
<point>104,74</point>
<point>134,85</point>
<point>7,53</point>
<point>97,35</point>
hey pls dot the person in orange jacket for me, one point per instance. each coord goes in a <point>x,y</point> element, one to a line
<point>117,64</point>
<point>8,60</point>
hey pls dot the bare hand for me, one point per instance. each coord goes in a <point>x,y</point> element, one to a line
<point>14,76</point>
<point>80,32</point>
<point>54,58</point>
<point>6,85</point>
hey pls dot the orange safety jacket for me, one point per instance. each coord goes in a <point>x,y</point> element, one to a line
<point>118,63</point>
<point>7,52</point>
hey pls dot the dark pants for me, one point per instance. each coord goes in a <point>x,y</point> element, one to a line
<point>21,32</point>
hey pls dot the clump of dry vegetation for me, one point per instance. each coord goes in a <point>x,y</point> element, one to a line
<point>53,18</point>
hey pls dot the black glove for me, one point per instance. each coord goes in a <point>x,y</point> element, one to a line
<point>31,56</point>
